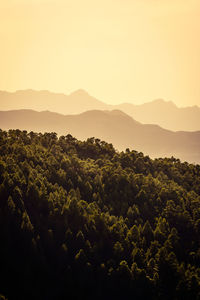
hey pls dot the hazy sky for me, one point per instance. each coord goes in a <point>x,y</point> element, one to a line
<point>117,50</point>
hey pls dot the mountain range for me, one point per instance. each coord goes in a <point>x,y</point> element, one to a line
<point>165,114</point>
<point>112,126</point>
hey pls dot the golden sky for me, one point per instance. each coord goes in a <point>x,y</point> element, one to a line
<point>118,50</point>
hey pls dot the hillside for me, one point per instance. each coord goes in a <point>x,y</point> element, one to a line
<point>80,220</point>
<point>113,126</point>
<point>160,112</point>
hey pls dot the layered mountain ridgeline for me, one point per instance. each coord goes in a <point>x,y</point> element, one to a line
<point>113,126</point>
<point>80,220</point>
<point>75,103</point>
<point>165,114</point>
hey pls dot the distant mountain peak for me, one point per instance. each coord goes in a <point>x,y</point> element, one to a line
<point>163,102</point>
<point>83,99</point>
<point>79,93</point>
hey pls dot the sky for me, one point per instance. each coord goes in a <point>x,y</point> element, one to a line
<point>118,50</point>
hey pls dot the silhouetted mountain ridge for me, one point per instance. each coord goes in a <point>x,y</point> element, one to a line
<point>161,112</point>
<point>112,126</point>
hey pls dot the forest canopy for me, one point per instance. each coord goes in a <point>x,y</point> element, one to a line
<point>82,219</point>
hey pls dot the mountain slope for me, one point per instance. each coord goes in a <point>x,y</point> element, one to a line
<point>113,126</point>
<point>166,114</point>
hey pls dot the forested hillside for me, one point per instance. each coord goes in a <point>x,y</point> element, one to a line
<point>114,127</point>
<point>79,220</point>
